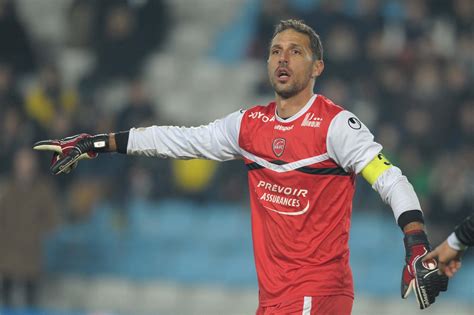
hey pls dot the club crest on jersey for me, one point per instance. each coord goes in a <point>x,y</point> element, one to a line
<point>278,146</point>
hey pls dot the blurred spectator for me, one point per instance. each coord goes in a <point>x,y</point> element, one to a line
<point>193,178</point>
<point>141,183</point>
<point>50,104</point>
<point>343,50</point>
<point>369,17</point>
<point>144,22</point>
<point>14,128</point>
<point>139,111</point>
<point>9,96</point>
<point>14,132</point>
<point>122,36</point>
<point>325,16</point>
<point>229,188</point>
<point>117,48</point>
<point>81,22</point>
<point>271,13</point>
<point>417,168</point>
<point>28,210</point>
<point>337,90</point>
<point>465,121</point>
<point>420,129</point>
<point>84,194</point>
<point>417,21</point>
<point>17,50</point>
<point>463,13</point>
<point>451,188</point>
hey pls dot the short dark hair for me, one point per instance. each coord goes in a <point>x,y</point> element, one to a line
<point>299,26</point>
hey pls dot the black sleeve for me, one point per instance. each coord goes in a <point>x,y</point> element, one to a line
<point>121,140</point>
<point>410,216</point>
<point>465,231</point>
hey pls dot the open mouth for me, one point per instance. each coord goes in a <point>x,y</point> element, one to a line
<point>283,74</point>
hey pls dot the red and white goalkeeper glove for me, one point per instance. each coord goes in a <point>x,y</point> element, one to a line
<point>68,151</point>
<point>419,276</point>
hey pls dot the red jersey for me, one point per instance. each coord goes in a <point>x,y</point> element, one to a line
<point>300,215</point>
<point>301,174</point>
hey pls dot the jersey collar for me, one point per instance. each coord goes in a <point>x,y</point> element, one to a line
<point>299,113</point>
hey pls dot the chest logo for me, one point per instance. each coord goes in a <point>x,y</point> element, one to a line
<point>311,120</point>
<point>278,146</point>
<point>281,199</point>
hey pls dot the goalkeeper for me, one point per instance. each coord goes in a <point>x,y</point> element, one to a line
<point>302,153</point>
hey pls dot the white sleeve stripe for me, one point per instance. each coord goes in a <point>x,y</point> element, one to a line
<point>285,167</point>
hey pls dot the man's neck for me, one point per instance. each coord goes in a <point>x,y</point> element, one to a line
<point>287,107</point>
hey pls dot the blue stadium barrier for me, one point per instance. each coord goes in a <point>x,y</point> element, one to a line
<point>211,243</point>
<point>25,311</point>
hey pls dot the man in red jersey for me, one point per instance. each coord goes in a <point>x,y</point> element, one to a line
<point>303,153</point>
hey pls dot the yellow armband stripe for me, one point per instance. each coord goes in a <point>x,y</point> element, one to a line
<point>375,168</point>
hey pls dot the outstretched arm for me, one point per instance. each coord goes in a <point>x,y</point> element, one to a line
<point>217,141</point>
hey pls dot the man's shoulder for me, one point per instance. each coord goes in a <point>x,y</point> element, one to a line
<point>260,108</point>
<point>258,114</point>
<point>328,104</point>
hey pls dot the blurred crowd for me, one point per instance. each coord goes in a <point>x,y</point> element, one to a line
<point>406,68</point>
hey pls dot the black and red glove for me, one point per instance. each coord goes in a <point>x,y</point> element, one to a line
<point>68,151</point>
<point>421,276</point>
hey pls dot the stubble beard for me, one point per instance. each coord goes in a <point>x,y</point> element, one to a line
<point>287,90</point>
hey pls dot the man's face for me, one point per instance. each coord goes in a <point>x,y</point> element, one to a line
<point>290,65</point>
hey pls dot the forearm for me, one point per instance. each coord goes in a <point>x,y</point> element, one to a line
<point>413,226</point>
<point>180,143</point>
<point>218,140</point>
<point>118,142</point>
<point>112,143</point>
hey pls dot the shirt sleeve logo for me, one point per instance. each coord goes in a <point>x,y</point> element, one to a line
<point>278,146</point>
<point>354,123</point>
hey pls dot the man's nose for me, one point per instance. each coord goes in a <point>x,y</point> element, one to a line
<point>283,60</point>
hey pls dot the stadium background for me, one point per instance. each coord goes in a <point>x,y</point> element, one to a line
<point>146,236</point>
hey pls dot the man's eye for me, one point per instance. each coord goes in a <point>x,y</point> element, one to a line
<point>296,52</point>
<point>275,52</point>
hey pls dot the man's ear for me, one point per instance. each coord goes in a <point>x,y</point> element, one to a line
<point>318,67</point>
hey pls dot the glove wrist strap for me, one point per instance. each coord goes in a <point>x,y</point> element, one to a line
<point>414,238</point>
<point>100,143</point>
